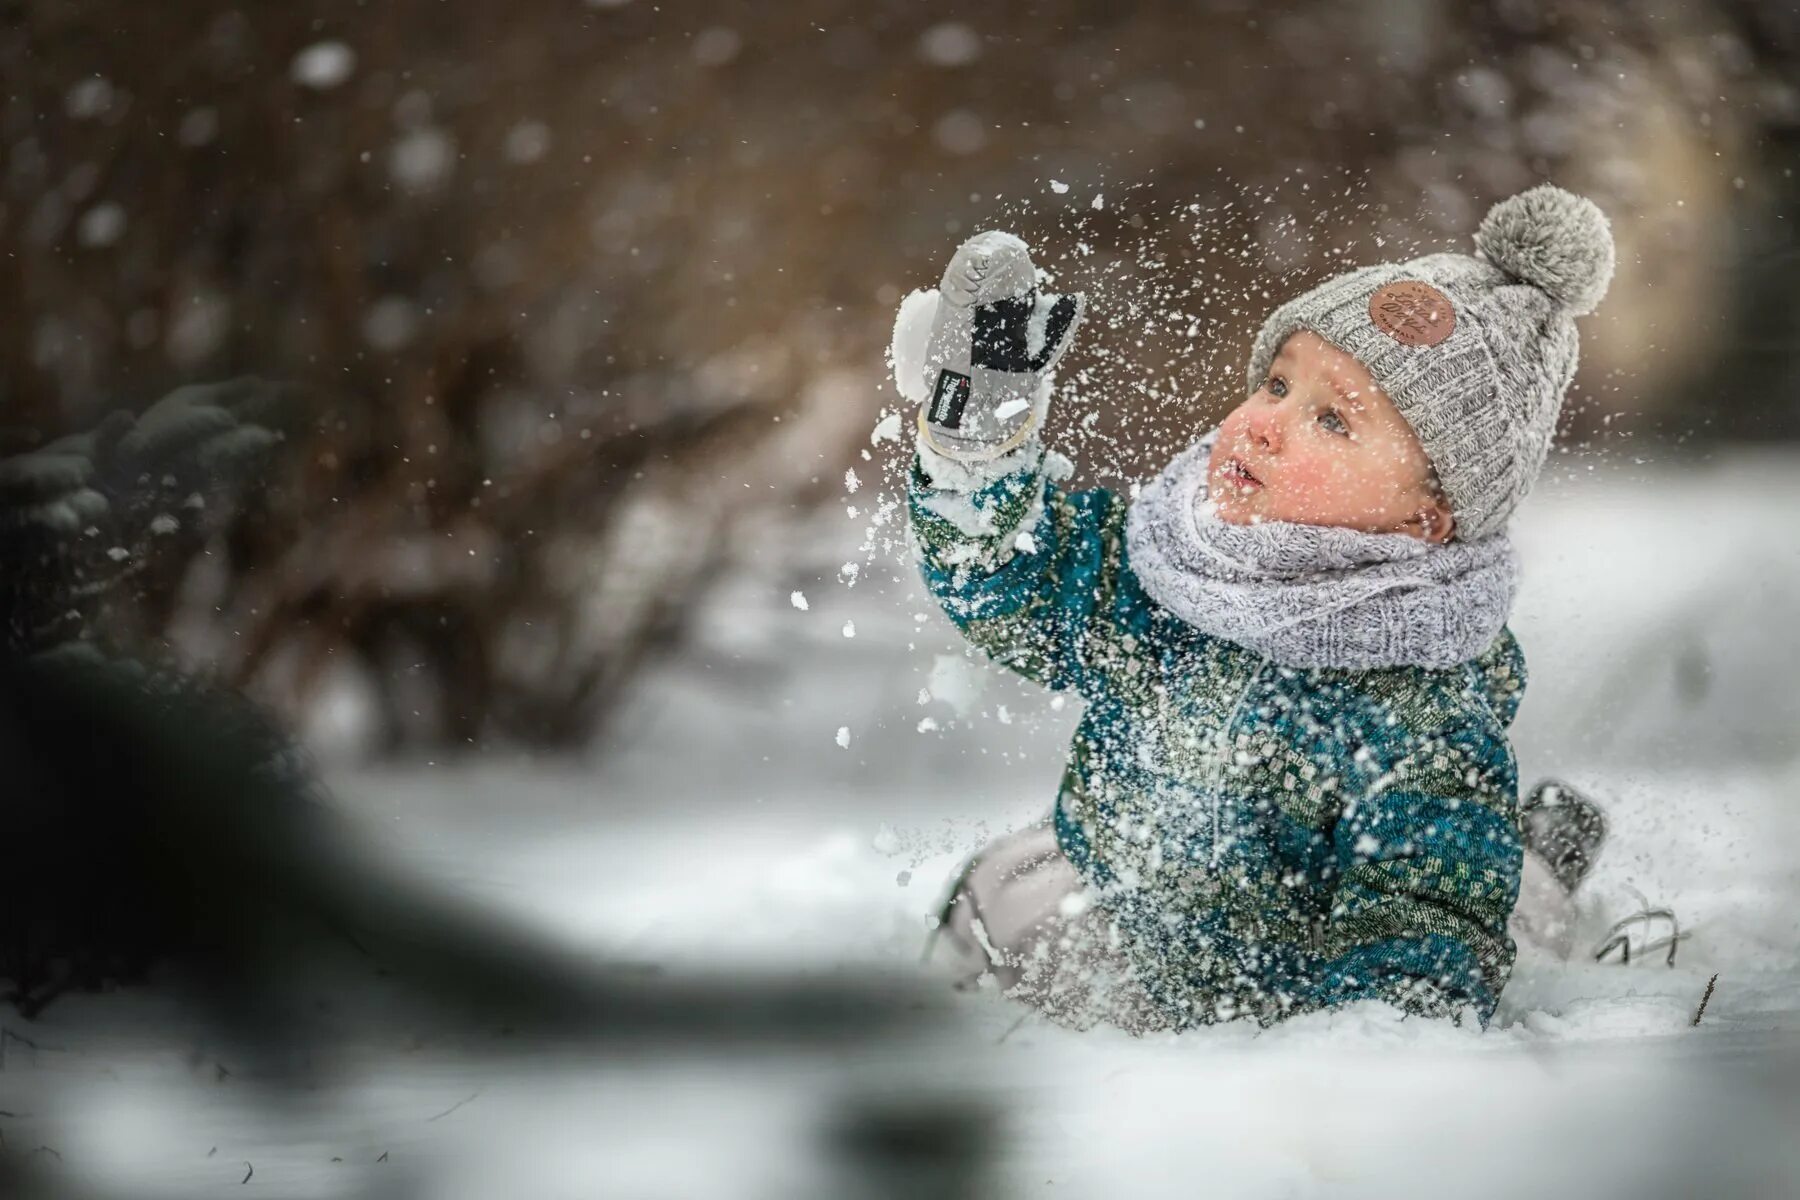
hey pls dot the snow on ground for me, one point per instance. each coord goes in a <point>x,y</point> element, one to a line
<point>723,824</point>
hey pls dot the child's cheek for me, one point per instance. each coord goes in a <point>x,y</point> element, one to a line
<point>1231,436</point>
<point>1324,490</point>
<point>1309,481</point>
<point>1231,429</point>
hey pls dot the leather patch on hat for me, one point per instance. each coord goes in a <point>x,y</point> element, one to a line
<point>1412,312</point>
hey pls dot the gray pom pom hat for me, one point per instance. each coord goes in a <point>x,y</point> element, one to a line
<point>1475,351</point>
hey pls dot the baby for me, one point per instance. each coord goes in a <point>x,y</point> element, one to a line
<point>1291,787</point>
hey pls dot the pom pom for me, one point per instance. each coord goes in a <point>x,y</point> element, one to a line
<point>1554,240</point>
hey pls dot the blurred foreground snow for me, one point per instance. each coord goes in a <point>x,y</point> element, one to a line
<point>724,825</point>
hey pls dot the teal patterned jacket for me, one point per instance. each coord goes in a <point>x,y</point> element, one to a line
<point>1272,840</point>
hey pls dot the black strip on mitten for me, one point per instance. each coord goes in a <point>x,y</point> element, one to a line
<point>1001,331</point>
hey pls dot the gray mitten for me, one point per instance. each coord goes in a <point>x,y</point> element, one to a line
<point>993,341</point>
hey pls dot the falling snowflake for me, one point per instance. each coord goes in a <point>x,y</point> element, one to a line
<point>323,65</point>
<point>950,44</point>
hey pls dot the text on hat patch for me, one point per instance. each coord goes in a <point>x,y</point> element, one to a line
<point>1412,312</point>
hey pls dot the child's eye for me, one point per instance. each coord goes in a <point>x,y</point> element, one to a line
<point>1277,386</point>
<point>1333,420</point>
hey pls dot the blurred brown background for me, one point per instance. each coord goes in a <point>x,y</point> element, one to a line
<point>583,291</point>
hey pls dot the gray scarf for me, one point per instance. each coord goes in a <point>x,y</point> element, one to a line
<point>1315,595</point>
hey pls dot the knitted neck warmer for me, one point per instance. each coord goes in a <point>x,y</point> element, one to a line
<point>1315,595</point>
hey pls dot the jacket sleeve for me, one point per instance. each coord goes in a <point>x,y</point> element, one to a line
<point>1032,575</point>
<point>1428,862</point>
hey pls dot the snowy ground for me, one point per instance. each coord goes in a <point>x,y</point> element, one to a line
<point>725,824</point>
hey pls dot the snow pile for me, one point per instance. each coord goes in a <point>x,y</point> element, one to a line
<point>725,827</point>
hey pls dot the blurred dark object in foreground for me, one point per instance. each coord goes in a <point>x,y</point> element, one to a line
<point>165,822</point>
<point>162,831</point>
<point>161,818</point>
<point>165,832</point>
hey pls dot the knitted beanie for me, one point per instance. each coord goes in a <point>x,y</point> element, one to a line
<point>1475,351</point>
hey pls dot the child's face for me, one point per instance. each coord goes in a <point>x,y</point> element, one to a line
<point>1319,443</point>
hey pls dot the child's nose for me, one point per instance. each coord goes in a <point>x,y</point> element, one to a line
<point>1265,426</point>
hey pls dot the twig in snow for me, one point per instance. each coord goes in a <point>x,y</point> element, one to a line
<point>1619,936</point>
<point>456,1106</point>
<point>7,1035</point>
<point>1701,1011</point>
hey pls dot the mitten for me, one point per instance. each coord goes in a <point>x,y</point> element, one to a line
<point>994,340</point>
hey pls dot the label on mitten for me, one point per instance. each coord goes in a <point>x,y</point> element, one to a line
<point>948,399</point>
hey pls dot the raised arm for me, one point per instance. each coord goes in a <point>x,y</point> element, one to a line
<point>1034,576</point>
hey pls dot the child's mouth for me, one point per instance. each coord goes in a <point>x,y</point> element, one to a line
<point>1238,475</point>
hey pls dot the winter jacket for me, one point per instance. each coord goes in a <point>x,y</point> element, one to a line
<point>1273,840</point>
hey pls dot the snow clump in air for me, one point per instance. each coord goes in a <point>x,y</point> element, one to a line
<point>391,323</point>
<point>101,225</point>
<point>716,46</point>
<point>888,428</point>
<point>906,348</point>
<point>960,131</point>
<point>956,681</point>
<point>527,142</point>
<point>421,161</point>
<point>323,65</point>
<point>89,98</point>
<point>950,44</point>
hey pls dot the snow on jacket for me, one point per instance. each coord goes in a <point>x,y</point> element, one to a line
<point>1273,840</point>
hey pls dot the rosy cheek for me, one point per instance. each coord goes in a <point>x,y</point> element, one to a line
<point>1305,477</point>
<point>1231,434</point>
